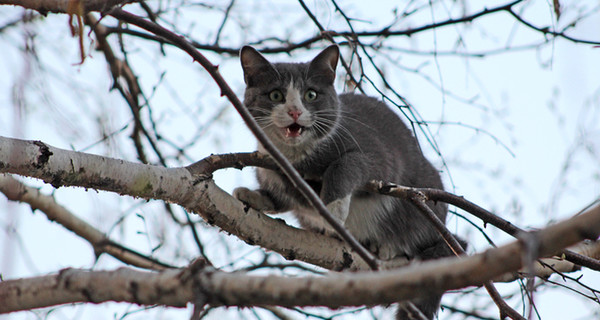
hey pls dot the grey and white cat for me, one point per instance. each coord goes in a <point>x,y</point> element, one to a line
<point>339,143</point>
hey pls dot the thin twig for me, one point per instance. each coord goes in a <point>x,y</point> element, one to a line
<point>386,32</point>
<point>225,18</point>
<point>419,200</point>
<point>479,212</point>
<point>505,309</point>
<point>547,31</point>
<point>468,314</point>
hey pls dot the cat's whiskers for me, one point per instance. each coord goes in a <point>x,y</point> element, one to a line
<point>342,114</point>
<point>336,125</point>
<point>264,119</point>
<point>263,110</point>
<point>264,122</point>
<point>320,127</point>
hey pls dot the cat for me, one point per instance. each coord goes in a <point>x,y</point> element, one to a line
<point>338,143</point>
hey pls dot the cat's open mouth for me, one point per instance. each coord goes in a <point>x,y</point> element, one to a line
<point>293,130</point>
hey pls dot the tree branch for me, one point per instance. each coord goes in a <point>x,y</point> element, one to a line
<point>547,31</point>
<point>486,216</point>
<point>206,285</point>
<point>63,6</point>
<point>324,34</point>
<point>420,201</point>
<point>584,254</point>
<point>14,190</point>
<point>196,193</point>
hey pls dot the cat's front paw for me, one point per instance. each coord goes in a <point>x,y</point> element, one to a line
<point>254,199</point>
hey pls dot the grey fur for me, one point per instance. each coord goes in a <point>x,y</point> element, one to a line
<point>346,140</point>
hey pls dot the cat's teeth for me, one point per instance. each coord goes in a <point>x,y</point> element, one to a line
<point>296,132</point>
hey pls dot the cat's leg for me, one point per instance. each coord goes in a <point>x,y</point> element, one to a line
<point>256,199</point>
<point>271,197</point>
<point>340,208</point>
<point>340,180</point>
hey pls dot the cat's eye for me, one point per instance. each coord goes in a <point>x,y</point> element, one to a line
<point>276,96</point>
<point>310,95</point>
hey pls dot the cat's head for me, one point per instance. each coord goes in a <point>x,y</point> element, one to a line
<point>294,103</point>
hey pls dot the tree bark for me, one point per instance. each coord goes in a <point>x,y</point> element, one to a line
<point>66,6</point>
<point>202,285</point>
<point>196,192</point>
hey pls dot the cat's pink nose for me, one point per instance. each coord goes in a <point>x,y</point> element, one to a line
<point>295,114</point>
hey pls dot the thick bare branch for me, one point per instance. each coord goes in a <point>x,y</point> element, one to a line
<point>64,6</point>
<point>197,194</point>
<point>197,283</point>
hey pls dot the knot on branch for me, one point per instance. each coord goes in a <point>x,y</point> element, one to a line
<point>44,156</point>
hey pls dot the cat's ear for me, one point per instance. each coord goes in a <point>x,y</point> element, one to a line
<point>256,68</point>
<point>323,65</point>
